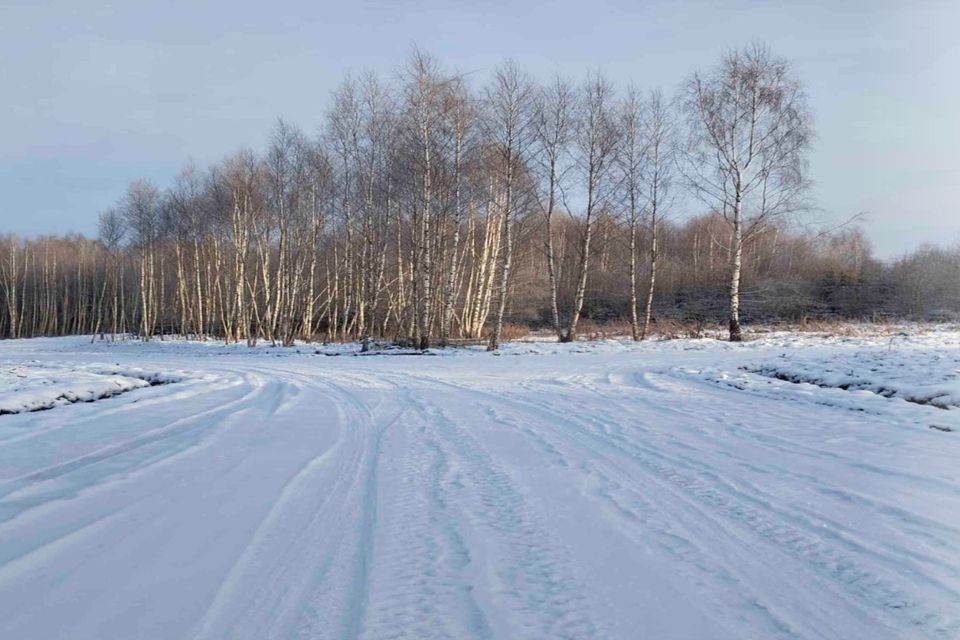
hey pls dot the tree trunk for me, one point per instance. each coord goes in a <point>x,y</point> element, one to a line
<point>582,281</point>
<point>634,321</point>
<point>736,257</point>
<point>648,308</point>
<point>551,259</point>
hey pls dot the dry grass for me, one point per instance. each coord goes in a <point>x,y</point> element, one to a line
<point>590,330</point>
<point>834,328</point>
<point>662,330</point>
<point>677,329</point>
<point>668,329</point>
<point>511,332</point>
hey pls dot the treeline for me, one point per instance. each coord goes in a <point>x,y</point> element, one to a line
<point>428,210</point>
<point>73,285</point>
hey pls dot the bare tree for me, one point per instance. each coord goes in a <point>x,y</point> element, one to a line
<point>141,210</point>
<point>554,124</point>
<point>631,161</point>
<point>596,146</point>
<point>11,274</point>
<point>749,131</point>
<point>659,145</point>
<point>509,104</point>
<point>111,231</point>
<point>425,86</point>
<point>460,125</point>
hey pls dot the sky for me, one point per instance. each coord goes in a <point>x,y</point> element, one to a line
<point>96,94</point>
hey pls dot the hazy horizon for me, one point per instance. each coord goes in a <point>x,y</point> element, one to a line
<point>104,94</point>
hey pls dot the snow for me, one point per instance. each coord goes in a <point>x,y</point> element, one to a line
<point>33,386</point>
<point>930,376</point>
<point>787,487</point>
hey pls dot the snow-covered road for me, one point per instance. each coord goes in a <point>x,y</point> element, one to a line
<point>664,490</point>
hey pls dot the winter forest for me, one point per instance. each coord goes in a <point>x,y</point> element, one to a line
<point>427,208</point>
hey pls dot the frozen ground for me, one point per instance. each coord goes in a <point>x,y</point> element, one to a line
<point>794,486</point>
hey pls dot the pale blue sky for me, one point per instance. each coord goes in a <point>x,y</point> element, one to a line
<point>96,94</point>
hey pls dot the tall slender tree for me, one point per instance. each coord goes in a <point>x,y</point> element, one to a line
<point>554,124</point>
<point>596,148</point>
<point>749,131</point>
<point>509,103</point>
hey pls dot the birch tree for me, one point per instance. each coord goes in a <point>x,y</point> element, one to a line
<point>509,103</point>
<point>141,210</point>
<point>11,273</point>
<point>111,232</point>
<point>595,149</point>
<point>460,124</point>
<point>553,126</point>
<point>657,171</point>
<point>631,164</point>
<point>749,131</point>
<point>425,87</point>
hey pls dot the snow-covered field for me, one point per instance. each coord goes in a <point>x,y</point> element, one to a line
<point>792,486</point>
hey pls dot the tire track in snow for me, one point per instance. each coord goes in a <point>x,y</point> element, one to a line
<point>304,572</point>
<point>531,571</point>
<point>22,428</point>
<point>421,586</point>
<point>749,514</point>
<point>650,525</point>
<point>939,533</point>
<point>740,517</point>
<point>744,516</point>
<point>15,561</point>
<point>132,455</point>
